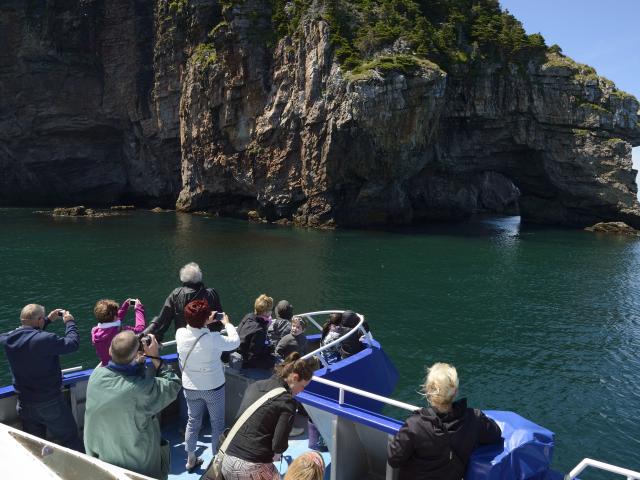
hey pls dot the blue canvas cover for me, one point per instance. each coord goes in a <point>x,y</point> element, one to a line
<point>526,453</point>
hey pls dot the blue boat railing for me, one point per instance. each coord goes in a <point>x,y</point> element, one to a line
<point>589,462</point>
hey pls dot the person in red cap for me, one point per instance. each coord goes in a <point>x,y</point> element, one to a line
<point>199,351</point>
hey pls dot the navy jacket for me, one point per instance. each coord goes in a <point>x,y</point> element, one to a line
<point>34,359</point>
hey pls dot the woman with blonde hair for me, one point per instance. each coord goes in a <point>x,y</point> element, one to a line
<point>254,344</point>
<point>308,466</point>
<point>435,443</point>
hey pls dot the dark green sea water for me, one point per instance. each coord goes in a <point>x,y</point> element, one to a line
<point>538,321</point>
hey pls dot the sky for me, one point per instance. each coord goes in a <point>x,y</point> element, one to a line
<point>603,34</point>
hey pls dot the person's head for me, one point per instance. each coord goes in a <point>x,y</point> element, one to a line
<point>263,305</point>
<point>441,386</point>
<point>196,313</point>
<point>298,325</point>
<point>191,273</point>
<point>308,466</point>
<point>335,319</point>
<point>284,310</point>
<point>296,372</point>
<point>124,347</point>
<point>32,315</point>
<point>350,319</point>
<point>105,310</point>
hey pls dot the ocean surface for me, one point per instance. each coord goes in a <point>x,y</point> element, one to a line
<point>543,322</point>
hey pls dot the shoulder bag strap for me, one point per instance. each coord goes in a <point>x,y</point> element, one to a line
<point>183,365</point>
<point>247,413</point>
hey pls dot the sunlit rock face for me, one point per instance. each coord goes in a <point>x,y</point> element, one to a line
<point>193,104</point>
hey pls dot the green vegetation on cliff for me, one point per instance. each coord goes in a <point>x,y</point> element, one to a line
<point>446,31</point>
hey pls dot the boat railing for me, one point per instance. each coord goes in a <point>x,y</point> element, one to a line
<point>359,328</point>
<point>72,369</point>
<point>342,388</point>
<point>589,462</point>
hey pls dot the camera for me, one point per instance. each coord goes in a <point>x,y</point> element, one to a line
<point>145,341</point>
<point>218,316</point>
<point>132,302</point>
<point>60,313</point>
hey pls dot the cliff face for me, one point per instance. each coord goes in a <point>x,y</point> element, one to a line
<point>143,92</point>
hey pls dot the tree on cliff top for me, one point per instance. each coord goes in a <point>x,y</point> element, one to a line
<point>445,31</point>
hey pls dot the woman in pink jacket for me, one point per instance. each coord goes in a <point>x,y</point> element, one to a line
<point>109,318</point>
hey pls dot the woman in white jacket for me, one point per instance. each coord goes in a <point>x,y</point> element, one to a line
<point>199,351</point>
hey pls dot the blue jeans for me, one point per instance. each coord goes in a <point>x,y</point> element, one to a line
<point>53,415</point>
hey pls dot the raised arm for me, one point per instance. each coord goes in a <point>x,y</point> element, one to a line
<point>71,340</point>
<point>122,311</point>
<point>140,321</point>
<point>231,341</point>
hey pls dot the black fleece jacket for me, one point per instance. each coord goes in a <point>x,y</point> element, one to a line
<point>266,432</point>
<point>437,446</point>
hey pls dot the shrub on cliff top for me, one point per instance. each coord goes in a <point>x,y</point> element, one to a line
<point>446,31</point>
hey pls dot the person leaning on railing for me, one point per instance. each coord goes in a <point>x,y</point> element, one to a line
<point>34,358</point>
<point>436,443</point>
<point>121,424</point>
<point>265,434</point>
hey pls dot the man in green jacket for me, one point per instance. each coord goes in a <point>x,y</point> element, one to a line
<point>121,421</point>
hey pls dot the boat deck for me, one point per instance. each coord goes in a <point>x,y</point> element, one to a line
<point>297,446</point>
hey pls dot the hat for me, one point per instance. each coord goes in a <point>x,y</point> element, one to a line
<point>284,310</point>
<point>350,318</point>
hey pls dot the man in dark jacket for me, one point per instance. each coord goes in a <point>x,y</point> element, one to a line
<point>436,443</point>
<point>192,289</point>
<point>33,355</point>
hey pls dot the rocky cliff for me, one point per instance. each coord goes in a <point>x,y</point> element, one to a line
<point>203,104</point>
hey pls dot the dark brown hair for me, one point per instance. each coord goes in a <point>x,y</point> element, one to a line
<point>294,364</point>
<point>196,313</point>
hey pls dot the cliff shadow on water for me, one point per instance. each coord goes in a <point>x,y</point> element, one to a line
<point>317,112</point>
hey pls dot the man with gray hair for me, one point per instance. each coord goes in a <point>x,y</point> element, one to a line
<point>192,289</point>
<point>121,424</point>
<point>34,357</point>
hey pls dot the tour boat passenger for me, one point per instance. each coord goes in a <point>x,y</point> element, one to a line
<point>281,325</point>
<point>435,443</point>
<point>199,352</point>
<point>331,331</point>
<point>110,318</point>
<point>192,289</point>
<point>308,466</point>
<point>121,422</point>
<point>264,436</point>
<point>254,344</point>
<point>295,341</point>
<point>351,345</point>
<point>34,358</point>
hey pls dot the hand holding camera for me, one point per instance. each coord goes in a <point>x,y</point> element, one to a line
<point>60,313</point>
<point>150,345</point>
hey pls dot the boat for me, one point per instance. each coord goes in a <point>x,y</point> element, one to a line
<point>345,401</point>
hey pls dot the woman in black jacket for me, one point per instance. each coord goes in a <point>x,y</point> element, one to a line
<point>266,433</point>
<point>435,443</point>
